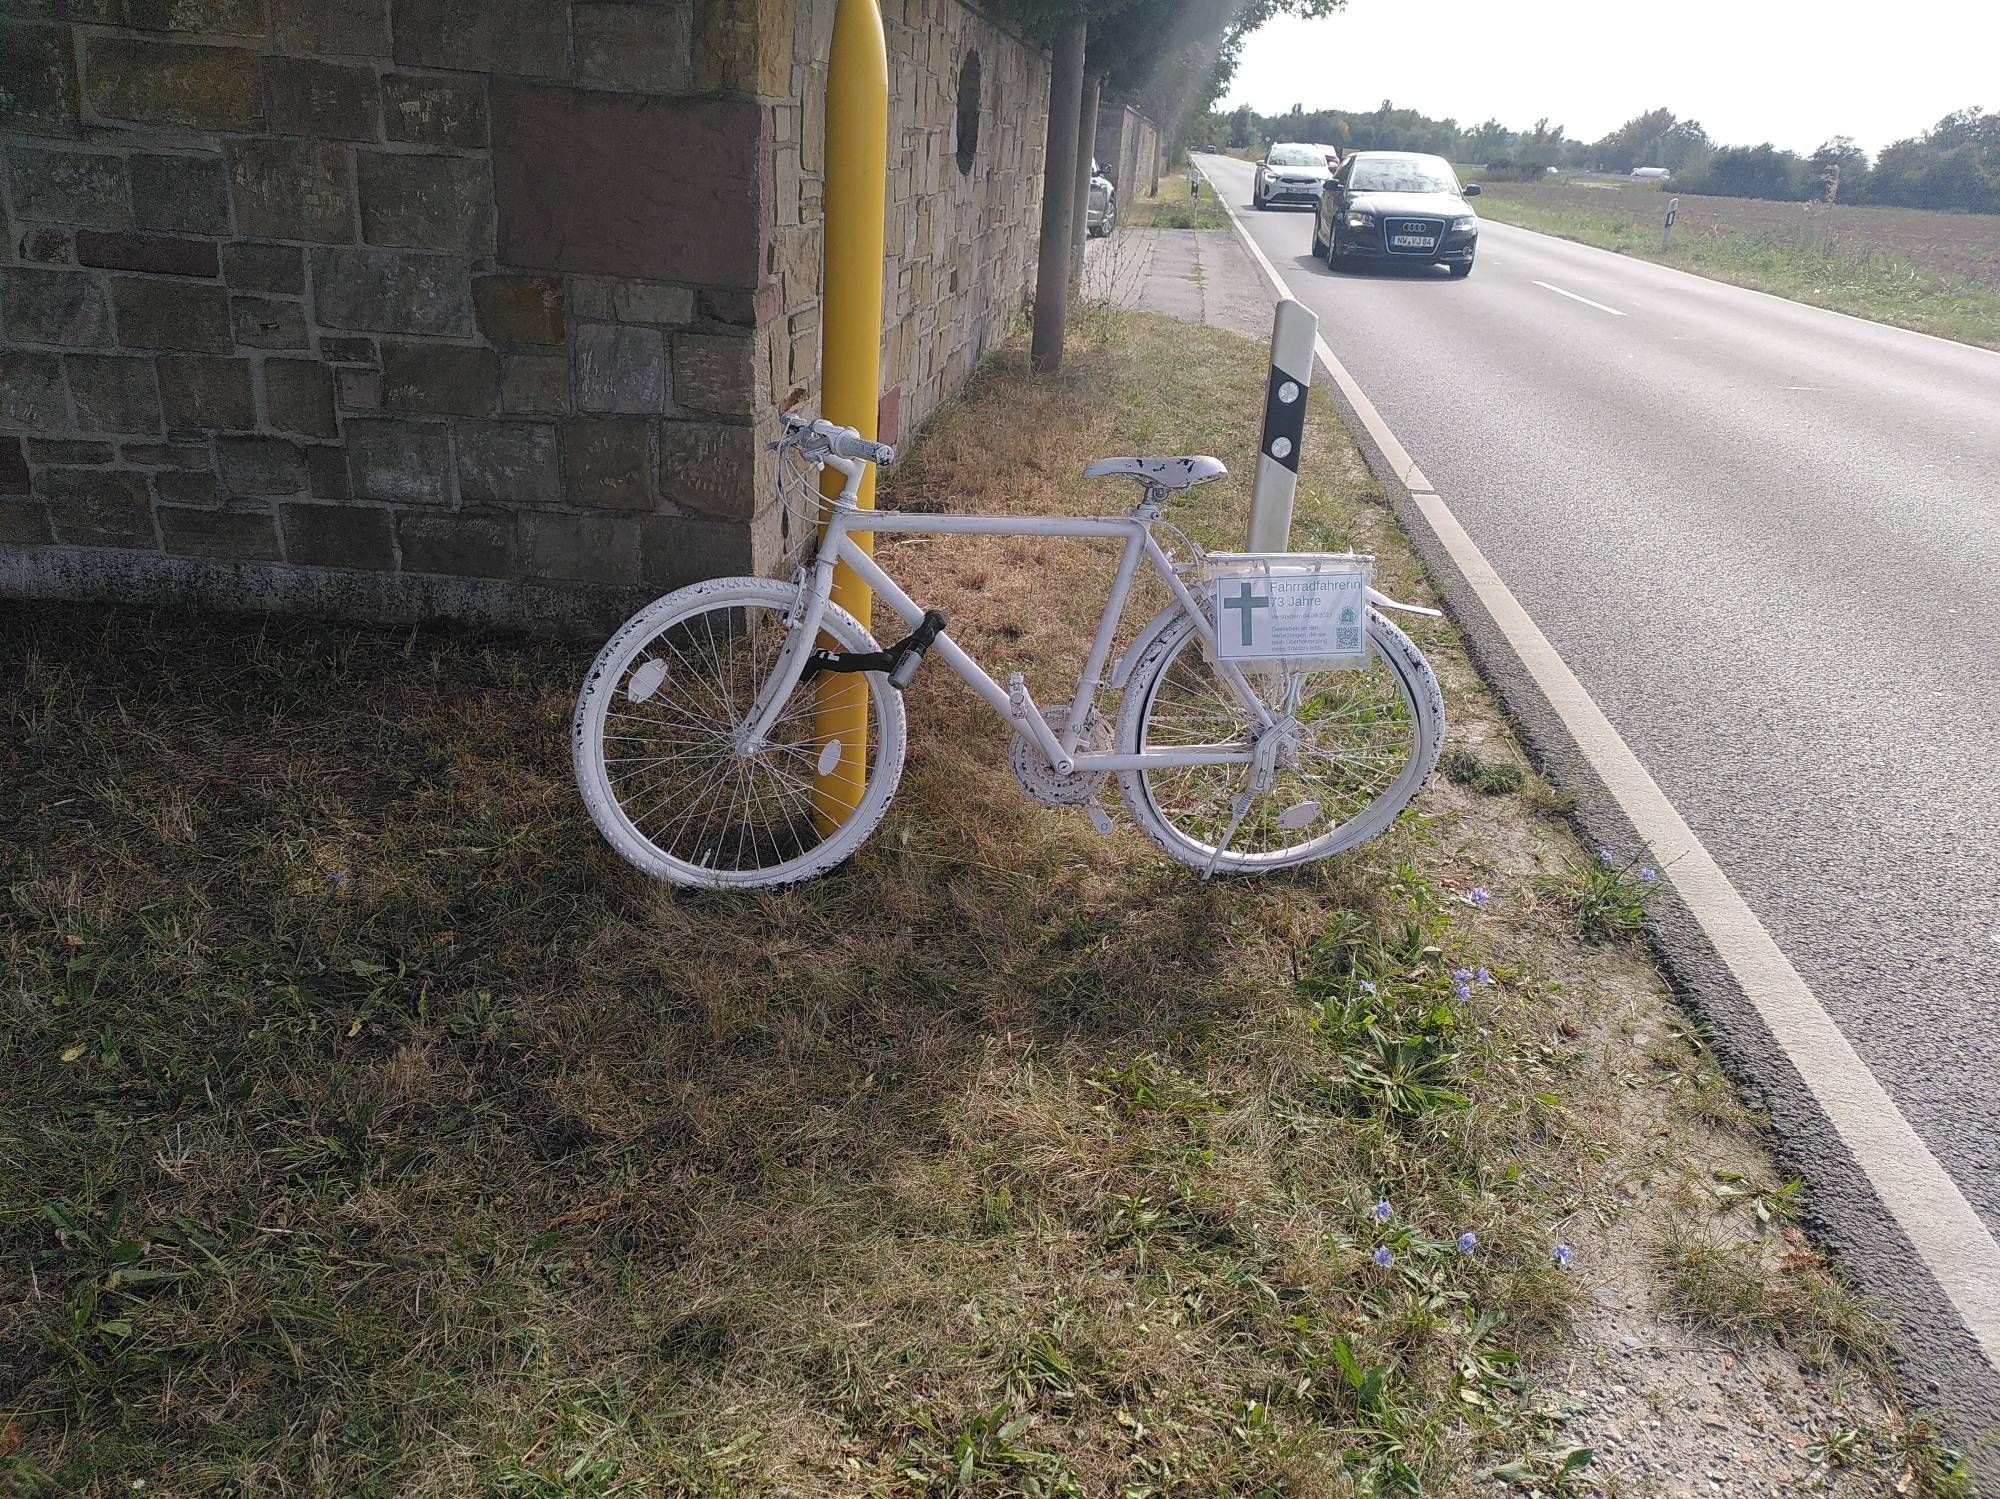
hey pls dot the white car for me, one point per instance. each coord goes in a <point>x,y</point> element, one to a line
<point>1292,172</point>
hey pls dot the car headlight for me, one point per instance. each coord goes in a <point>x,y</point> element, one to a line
<point>1356,219</point>
<point>1466,221</point>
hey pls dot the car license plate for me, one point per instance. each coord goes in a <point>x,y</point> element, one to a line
<point>1413,242</point>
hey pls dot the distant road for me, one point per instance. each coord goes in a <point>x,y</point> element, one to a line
<point>1767,539</point>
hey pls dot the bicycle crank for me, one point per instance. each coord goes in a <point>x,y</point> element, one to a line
<point>1042,781</point>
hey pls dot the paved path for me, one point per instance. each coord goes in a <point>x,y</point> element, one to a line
<point>1767,539</point>
<point>1197,275</point>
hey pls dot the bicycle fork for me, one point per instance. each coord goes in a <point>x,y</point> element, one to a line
<point>1266,752</point>
<point>801,661</point>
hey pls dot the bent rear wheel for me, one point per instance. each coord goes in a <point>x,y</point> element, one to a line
<point>657,764</point>
<point>1367,741</point>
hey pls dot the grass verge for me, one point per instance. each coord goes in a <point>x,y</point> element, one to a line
<point>1176,207</point>
<point>369,1129</point>
<point>1845,277</point>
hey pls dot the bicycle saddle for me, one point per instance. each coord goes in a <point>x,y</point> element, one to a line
<point>1159,473</point>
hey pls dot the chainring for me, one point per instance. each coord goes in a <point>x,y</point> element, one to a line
<point>1039,779</point>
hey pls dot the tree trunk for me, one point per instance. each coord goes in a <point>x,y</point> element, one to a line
<point>1086,152</point>
<point>1058,199</point>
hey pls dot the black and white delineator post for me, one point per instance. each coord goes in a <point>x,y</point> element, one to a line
<point>1293,334</point>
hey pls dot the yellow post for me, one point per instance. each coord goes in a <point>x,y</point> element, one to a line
<point>857,167</point>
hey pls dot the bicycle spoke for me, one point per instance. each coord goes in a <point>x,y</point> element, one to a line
<point>1355,734</point>
<point>673,764</point>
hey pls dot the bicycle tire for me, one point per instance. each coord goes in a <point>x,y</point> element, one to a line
<point>1149,793</point>
<point>689,722</point>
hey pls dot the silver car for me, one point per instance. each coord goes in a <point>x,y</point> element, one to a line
<point>1102,216</point>
<point>1293,172</point>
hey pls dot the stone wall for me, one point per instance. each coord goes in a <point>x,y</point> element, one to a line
<point>1128,149</point>
<point>465,308</point>
<point>960,240</point>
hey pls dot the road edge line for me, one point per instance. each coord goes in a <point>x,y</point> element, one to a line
<point>1933,1215</point>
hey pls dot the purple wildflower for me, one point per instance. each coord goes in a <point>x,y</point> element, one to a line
<point>1648,874</point>
<point>1463,975</point>
<point>1382,1257</point>
<point>1381,1211</point>
<point>1564,1254</point>
<point>1483,975</point>
<point>1480,895</point>
<point>1467,1242</point>
<point>1367,986</point>
<point>1604,855</point>
<point>1462,991</point>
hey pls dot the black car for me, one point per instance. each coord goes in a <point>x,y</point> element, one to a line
<point>1395,207</point>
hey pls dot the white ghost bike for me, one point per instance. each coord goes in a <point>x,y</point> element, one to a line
<point>698,754</point>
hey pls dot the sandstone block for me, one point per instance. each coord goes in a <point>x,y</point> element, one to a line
<point>392,291</point>
<point>184,193</point>
<point>358,536</point>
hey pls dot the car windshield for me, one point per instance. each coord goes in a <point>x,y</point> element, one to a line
<point>1403,174</point>
<point>1295,156</point>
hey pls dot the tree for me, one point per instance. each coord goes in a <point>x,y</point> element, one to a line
<point>1958,180</point>
<point>1684,143</point>
<point>1656,138</point>
<point>1953,165</point>
<point>1487,141</point>
<point>1840,164</point>
<point>1536,150</point>
<point>1173,57</point>
<point>1754,172</point>
<point>1840,151</point>
<point>1171,53</point>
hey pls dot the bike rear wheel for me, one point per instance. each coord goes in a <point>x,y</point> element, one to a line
<point>658,767</point>
<point>1367,742</point>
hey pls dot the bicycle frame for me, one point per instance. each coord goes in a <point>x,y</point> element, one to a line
<point>845,527</point>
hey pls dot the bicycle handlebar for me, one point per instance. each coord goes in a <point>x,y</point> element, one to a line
<point>843,442</point>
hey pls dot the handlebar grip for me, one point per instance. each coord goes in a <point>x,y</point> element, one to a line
<point>847,443</point>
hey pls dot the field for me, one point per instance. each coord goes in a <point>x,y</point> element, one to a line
<point>1935,272</point>
<point>367,1129</point>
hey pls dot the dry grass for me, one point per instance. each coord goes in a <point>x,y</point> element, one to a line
<point>369,1129</point>
<point>1177,206</point>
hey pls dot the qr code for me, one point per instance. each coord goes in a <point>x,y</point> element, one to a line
<point>1347,637</point>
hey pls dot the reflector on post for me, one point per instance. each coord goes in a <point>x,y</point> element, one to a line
<point>1293,333</point>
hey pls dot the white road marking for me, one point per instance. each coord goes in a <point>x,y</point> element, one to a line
<point>1925,1202</point>
<point>1709,283</point>
<point>1545,286</point>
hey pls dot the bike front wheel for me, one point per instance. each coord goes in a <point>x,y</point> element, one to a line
<point>657,759</point>
<point>1366,742</point>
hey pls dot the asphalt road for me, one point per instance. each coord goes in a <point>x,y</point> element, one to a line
<point>1767,539</point>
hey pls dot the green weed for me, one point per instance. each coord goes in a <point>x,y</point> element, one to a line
<point>1604,901</point>
<point>1463,767</point>
<point>1798,1300</point>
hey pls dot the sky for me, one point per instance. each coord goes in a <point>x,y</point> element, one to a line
<point>1784,71</point>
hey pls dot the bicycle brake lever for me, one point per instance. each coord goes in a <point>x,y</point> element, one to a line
<point>1383,601</point>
